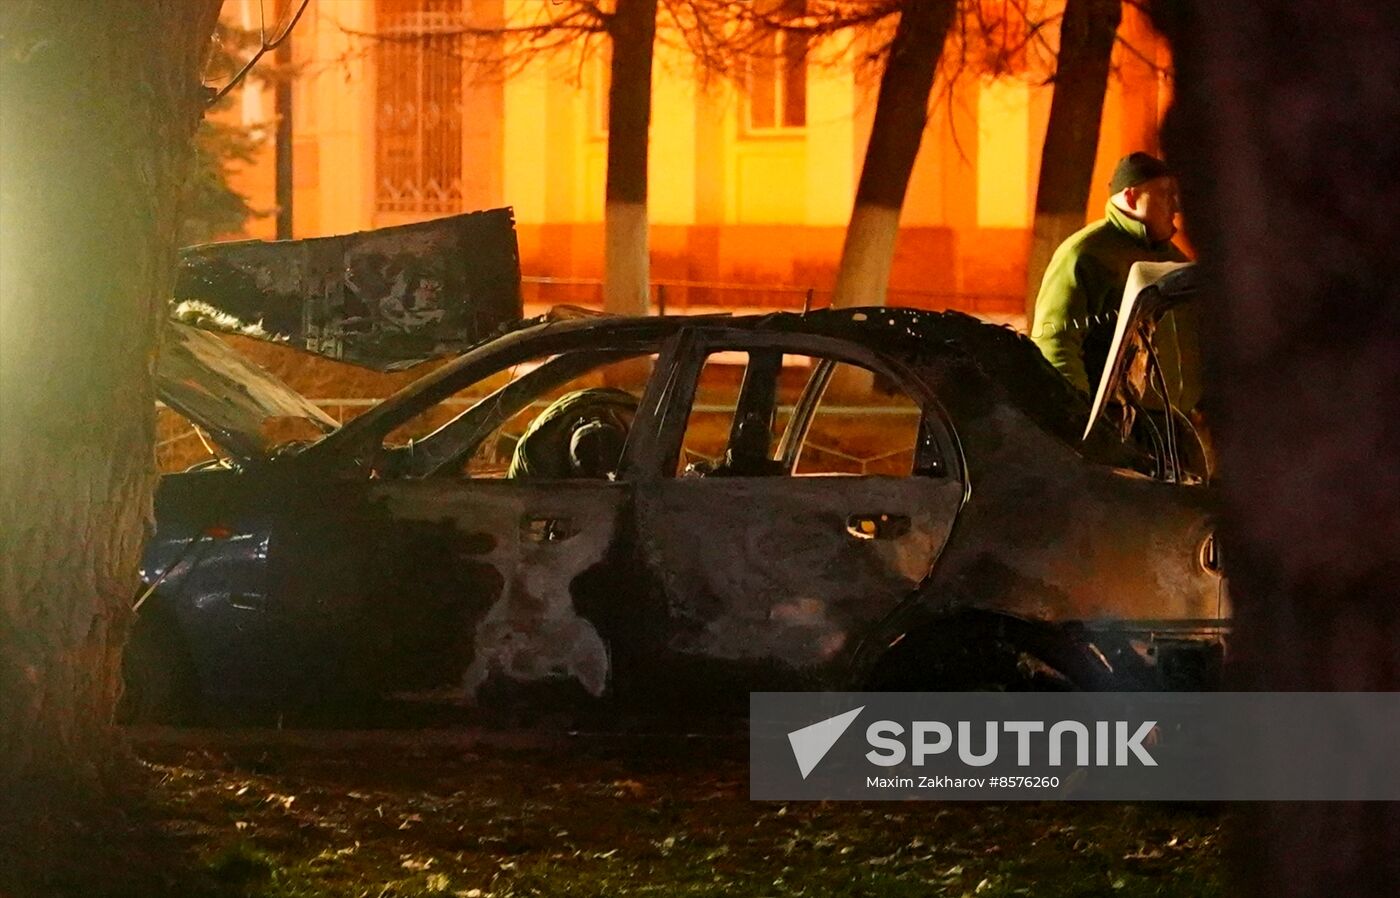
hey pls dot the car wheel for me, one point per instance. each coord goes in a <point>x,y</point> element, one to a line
<point>158,677</point>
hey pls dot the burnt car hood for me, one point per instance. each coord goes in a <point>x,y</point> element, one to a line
<point>385,299</point>
<point>206,380</point>
<point>1153,289</point>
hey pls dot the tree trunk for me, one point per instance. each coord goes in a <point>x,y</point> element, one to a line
<point>282,143</point>
<point>901,112</point>
<point>626,275</point>
<point>1291,181</point>
<point>1072,135</point>
<point>99,103</point>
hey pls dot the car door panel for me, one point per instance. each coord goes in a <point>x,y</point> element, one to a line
<point>452,581</point>
<point>768,569</point>
<point>519,545</point>
<point>322,565</point>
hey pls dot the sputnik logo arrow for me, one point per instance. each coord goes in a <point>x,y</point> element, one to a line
<point>811,743</point>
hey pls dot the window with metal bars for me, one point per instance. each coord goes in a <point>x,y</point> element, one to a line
<point>418,114</point>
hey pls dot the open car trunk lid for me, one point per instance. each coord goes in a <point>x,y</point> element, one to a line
<point>231,398</point>
<point>384,299</point>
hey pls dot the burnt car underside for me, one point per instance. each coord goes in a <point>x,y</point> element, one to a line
<point>1010,555</point>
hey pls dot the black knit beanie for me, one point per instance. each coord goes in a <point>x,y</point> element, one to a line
<point>1135,168</point>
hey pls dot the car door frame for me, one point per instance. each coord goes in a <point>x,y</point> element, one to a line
<point>669,404</point>
<point>670,399</point>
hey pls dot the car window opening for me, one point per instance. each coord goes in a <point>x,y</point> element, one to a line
<point>774,413</point>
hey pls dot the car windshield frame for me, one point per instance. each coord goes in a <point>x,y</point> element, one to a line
<point>445,450</point>
<point>354,444</point>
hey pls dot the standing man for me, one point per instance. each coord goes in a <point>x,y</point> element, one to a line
<point>1077,306</point>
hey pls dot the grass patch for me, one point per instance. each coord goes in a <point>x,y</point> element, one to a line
<point>400,822</point>
<point>240,864</point>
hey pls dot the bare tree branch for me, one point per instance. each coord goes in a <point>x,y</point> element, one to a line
<point>265,47</point>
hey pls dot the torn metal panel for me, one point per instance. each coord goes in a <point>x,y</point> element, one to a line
<point>209,382</point>
<point>386,299</point>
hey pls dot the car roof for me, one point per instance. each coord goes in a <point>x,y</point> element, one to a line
<point>915,336</point>
<point>964,347</point>
<point>889,328</point>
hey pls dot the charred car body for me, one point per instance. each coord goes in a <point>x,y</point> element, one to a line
<point>1005,552</point>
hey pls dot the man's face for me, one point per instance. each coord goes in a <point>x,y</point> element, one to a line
<point>1156,205</point>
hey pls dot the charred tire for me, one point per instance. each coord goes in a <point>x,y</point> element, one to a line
<point>159,684</point>
<point>970,655</point>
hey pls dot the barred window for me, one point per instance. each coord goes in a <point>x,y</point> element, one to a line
<point>418,98</point>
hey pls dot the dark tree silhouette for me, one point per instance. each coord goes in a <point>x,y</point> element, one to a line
<point>1087,33</point>
<point>1285,134</point>
<point>901,111</point>
<point>99,104</point>
<point>626,280</point>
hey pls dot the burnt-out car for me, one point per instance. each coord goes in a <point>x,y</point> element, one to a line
<point>973,540</point>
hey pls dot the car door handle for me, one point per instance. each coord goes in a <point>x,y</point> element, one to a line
<point>877,526</point>
<point>546,529</point>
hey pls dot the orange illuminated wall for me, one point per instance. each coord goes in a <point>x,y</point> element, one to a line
<point>747,197</point>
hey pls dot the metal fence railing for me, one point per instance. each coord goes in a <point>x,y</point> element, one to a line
<point>678,296</point>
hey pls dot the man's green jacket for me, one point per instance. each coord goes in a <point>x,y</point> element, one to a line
<point>1077,306</point>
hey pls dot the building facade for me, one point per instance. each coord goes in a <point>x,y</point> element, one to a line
<point>751,179</point>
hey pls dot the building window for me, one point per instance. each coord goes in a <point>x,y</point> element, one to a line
<point>777,83</point>
<point>418,98</point>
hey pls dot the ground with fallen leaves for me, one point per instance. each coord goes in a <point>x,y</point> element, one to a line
<point>445,813</point>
